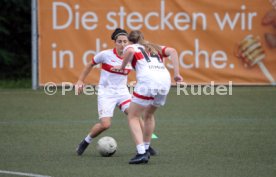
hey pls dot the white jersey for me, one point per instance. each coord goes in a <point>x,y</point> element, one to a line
<point>110,79</point>
<point>150,70</point>
<point>113,89</point>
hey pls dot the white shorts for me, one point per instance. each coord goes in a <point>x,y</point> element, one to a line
<point>107,103</point>
<point>147,96</point>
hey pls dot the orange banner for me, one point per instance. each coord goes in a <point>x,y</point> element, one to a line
<point>218,41</point>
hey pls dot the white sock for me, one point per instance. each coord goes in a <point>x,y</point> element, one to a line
<point>88,139</point>
<point>140,149</point>
<point>146,144</point>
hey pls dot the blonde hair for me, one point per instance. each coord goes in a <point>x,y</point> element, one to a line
<point>137,37</point>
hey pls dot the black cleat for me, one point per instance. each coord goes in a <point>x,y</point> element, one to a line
<point>139,158</point>
<point>151,151</point>
<point>81,148</point>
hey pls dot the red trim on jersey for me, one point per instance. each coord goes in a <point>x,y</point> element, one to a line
<point>133,63</point>
<point>138,55</point>
<point>115,52</point>
<point>108,68</point>
<point>163,52</point>
<point>93,61</point>
<point>142,96</point>
<point>123,103</point>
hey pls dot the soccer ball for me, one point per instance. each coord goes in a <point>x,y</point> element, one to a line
<point>107,146</point>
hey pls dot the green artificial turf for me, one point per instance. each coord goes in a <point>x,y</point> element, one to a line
<point>198,136</point>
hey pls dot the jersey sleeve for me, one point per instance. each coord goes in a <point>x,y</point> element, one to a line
<point>127,47</point>
<point>99,58</point>
<point>163,54</point>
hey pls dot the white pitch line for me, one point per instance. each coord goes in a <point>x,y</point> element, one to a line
<point>21,174</point>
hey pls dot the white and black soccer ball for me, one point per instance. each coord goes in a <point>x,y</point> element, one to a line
<point>107,146</point>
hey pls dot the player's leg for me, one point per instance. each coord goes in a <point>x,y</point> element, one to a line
<point>134,116</point>
<point>140,100</point>
<point>142,125</point>
<point>149,121</point>
<point>97,129</point>
<point>135,113</point>
<point>106,106</point>
<point>123,105</point>
<point>149,118</point>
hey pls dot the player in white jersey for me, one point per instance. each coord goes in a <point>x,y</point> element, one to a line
<point>151,74</point>
<point>153,84</point>
<point>112,87</point>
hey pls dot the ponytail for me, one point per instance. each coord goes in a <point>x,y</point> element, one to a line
<point>138,37</point>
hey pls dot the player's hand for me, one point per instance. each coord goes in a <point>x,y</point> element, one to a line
<point>178,78</point>
<point>79,87</point>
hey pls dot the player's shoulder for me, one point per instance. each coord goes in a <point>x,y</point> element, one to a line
<point>133,46</point>
<point>105,52</point>
<point>137,45</point>
<point>102,56</point>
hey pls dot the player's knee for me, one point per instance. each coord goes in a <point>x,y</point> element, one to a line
<point>149,113</point>
<point>148,116</point>
<point>105,125</point>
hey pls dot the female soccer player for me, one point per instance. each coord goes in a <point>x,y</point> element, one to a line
<point>112,90</point>
<point>153,84</point>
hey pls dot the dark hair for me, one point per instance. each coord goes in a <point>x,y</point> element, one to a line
<point>135,36</point>
<point>117,32</point>
<point>138,37</point>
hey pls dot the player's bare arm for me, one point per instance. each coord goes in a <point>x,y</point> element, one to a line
<point>127,57</point>
<point>172,53</point>
<point>80,83</point>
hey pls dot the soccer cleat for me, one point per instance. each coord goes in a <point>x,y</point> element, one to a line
<point>81,148</point>
<point>151,151</point>
<point>139,158</point>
